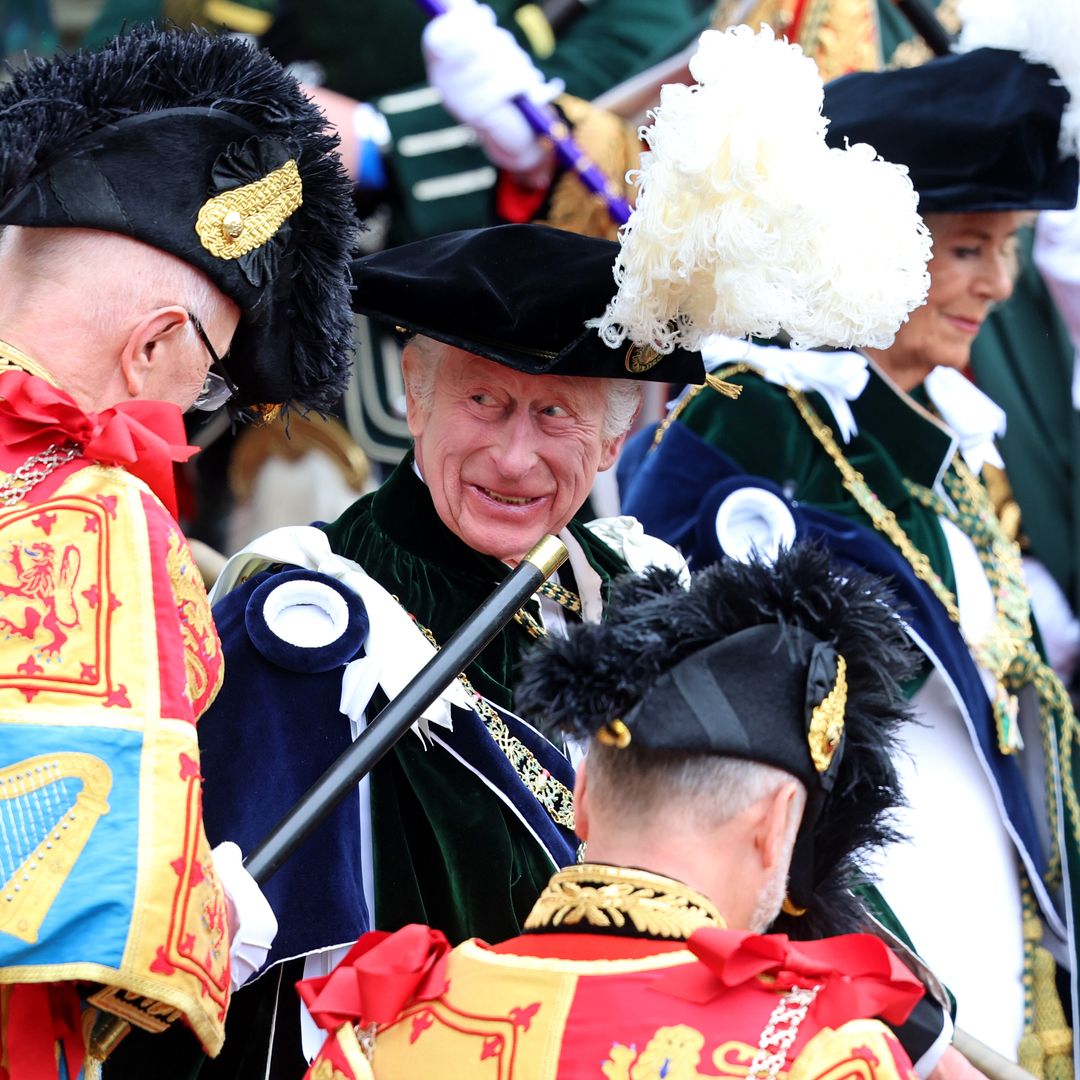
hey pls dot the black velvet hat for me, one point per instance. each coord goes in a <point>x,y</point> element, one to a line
<point>516,294</point>
<point>978,131</point>
<point>790,665</point>
<point>205,148</point>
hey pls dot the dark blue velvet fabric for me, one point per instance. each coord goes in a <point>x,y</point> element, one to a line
<point>675,492</point>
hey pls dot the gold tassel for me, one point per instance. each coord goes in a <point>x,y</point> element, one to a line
<point>722,386</point>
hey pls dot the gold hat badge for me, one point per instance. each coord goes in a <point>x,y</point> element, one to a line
<point>827,721</point>
<point>235,222</point>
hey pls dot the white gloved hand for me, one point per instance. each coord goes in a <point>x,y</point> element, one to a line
<point>252,923</point>
<point>478,68</point>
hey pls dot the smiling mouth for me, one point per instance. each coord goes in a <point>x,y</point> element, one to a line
<point>507,500</point>
<point>971,326</point>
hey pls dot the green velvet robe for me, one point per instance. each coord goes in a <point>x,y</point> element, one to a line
<point>447,851</point>
<point>764,433</point>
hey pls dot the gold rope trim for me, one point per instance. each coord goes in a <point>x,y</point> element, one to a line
<point>714,382</point>
<point>235,222</point>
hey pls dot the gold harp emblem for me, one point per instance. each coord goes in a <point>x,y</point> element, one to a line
<point>235,222</point>
<point>49,805</point>
<point>827,721</point>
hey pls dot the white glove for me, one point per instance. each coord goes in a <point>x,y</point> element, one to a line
<point>478,68</point>
<point>252,923</point>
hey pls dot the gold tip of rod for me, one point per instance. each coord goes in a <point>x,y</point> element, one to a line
<point>548,555</point>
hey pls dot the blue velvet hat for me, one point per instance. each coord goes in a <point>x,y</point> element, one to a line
<point>978,131</point>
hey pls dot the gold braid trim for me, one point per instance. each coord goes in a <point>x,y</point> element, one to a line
<point>238,221</point>
<point>610,897</point>
<point>1020,664</point>
<point>713,382</point>
<point>555,797</point>
<point>12,358</point>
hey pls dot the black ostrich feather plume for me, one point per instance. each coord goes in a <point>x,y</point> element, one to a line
<point>54,103</point>
<point>599,672</point>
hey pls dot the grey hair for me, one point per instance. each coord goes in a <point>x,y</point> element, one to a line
<point>635,785</point>
<point>623,396</point>
<point>152,277</point>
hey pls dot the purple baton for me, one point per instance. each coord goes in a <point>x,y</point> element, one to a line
<point>549,125</point>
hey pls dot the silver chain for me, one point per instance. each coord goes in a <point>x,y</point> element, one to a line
<point>34,469</point>
<point>780,1032</point>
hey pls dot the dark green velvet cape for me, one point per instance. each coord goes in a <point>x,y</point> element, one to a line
<point>447,851</point>
<point>764,433</point>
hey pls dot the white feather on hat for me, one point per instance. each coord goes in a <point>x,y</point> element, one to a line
<point>747,223</point>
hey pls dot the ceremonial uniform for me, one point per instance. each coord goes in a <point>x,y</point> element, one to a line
<point>486,800</point>
<point>462,826</point>
<point>108,657</point>
<point>620,973</point>
<point>1001,805</point>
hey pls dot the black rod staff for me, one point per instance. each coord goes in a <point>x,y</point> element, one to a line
<point>926,24</point>
<point>463,647</point>
<point>395,720</point>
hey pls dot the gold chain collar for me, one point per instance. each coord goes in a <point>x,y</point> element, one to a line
<point>1008,651</point>
<point>565,598</point>
<point>553,795</point>
<point>601,897</point>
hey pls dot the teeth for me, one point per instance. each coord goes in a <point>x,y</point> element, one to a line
<point>510,499</point>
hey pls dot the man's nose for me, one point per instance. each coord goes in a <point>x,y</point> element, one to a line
<point>515,449</point>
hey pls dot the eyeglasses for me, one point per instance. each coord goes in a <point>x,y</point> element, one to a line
<point>217,387</point>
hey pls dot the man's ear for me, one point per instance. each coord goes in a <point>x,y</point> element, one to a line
<point>775,827</point>
<point>581,800</point>
<point>610,450</point>
<point>148,342</point>
<point>414,414</point>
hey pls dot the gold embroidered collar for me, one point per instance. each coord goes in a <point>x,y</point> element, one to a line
<point>10,357</point>
<point>596,898</point>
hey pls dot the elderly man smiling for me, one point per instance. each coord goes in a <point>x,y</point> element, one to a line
<point>514,405</point>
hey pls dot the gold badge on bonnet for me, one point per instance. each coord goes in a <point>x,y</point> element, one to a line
<point>235,222</point>
<point>827,721</point>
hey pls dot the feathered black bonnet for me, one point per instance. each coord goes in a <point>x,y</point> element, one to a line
<point>205,148</point>
<point>752,662</point>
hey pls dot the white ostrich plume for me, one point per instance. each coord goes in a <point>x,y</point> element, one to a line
<point>747,223</point>
<point>1046,32</point>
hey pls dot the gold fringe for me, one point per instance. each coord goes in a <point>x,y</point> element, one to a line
<point>721,386</point>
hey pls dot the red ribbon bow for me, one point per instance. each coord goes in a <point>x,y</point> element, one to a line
<point>859,974</point>
<point>145,437</point>
<point>380,975</point>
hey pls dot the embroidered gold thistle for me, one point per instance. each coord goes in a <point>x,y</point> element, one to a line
<point>827,721</point>
<point>611,897</point>
<point>235,222</point>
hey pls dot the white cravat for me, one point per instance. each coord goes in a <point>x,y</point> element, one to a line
<point>839,377</point>
<point>973,416</point>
